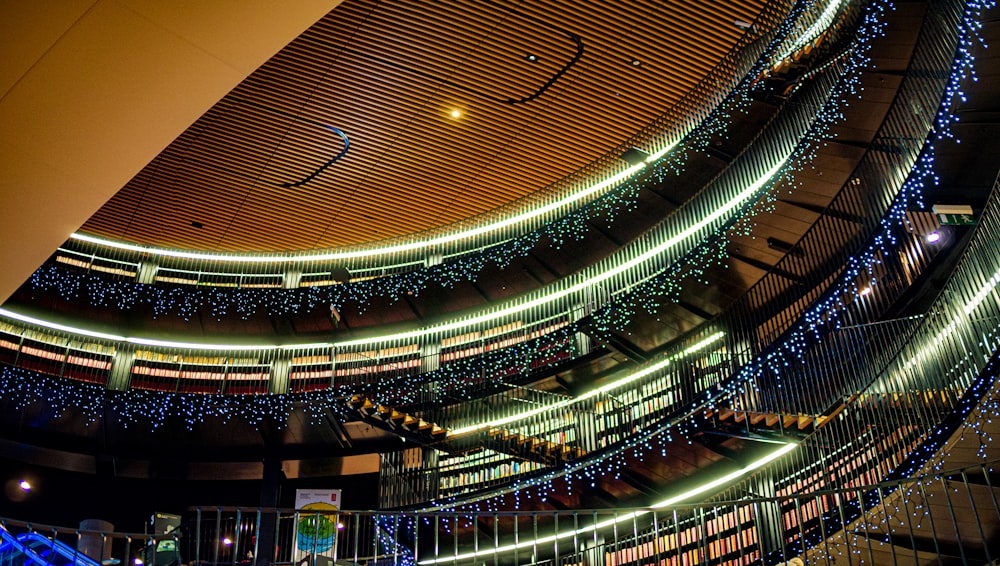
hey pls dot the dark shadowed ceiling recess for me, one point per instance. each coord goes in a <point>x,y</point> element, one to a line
<point>387,118</point>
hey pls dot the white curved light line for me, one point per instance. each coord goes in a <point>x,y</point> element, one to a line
<point>593,393</point>
<point>736,201</point>
<point>679,498</point>
<point>664,246</point>
<point>812,31</point>
<point>145,341</point>
<point>960,319</point>
<point>327,256</point>
<point>823,21</point>
<point>61,327</point>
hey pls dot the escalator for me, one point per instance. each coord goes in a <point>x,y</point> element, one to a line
<point>34,549</point>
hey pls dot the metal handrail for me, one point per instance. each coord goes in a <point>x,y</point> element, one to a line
<point>717,532</point>
<point>673,125</point>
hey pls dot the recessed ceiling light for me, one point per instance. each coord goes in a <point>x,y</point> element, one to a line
<point>456,113</point>
<point>24,485</point>
<point>636,63</point>
<point>531,57</point>
<point>933,237</point>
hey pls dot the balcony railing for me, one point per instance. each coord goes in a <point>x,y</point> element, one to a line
<point>716,206</point>
<point>780,30</point>
<point>768,315</point>
<point>939,516</point>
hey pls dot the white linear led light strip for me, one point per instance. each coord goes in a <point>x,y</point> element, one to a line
<point>963,318</point>
<point>822,22</point>
<point>824,19</point>
<point>411,246</point>
<point>593,393</point>
<point>720,212</point>
<point>679,498</point>
<point>664,246</point>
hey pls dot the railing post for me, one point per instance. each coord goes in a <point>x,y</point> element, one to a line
<point>281,367</point>
<point>768,513</point>
<point>656,538</point>
<point>430,355</point>
<point>147,271</point>
<point>416,539</point>
<point>217,538</point>
<point>954,519</point>
<point>121,368</point>
<point>593,547</point>
<point>129,559</point>
<point>291,278</point>
<point>256,538</point>
<point>357,536</point>
<point>197,537</point>
<point>496,538</point>
<point>268,521</point>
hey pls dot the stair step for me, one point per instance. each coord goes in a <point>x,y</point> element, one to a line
<point>532,447</point>
<point>396,420</point>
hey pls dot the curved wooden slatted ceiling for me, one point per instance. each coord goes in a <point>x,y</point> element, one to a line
<point>388,75</point>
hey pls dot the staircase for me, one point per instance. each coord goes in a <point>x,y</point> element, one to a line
<point>404,424</point>
<point>784,424</point>
<point>531,448</point>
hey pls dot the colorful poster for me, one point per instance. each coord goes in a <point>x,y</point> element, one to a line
<point>316,530</point>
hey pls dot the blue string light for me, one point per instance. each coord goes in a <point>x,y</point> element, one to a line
<point>23,387</point>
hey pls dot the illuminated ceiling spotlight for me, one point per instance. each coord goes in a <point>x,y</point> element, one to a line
<point>17,490</point>
<point>456,113</point>
<point>226,541</point>
<point>865,292</point>
<point>635,62</point>
<point>531,57</point>
<point>933,238</point>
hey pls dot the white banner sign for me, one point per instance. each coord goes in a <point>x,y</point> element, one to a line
<point>316,531</point>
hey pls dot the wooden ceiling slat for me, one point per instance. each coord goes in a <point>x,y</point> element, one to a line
<point>388,74</point>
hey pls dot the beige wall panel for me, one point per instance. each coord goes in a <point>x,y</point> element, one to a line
<point>117,82</point>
